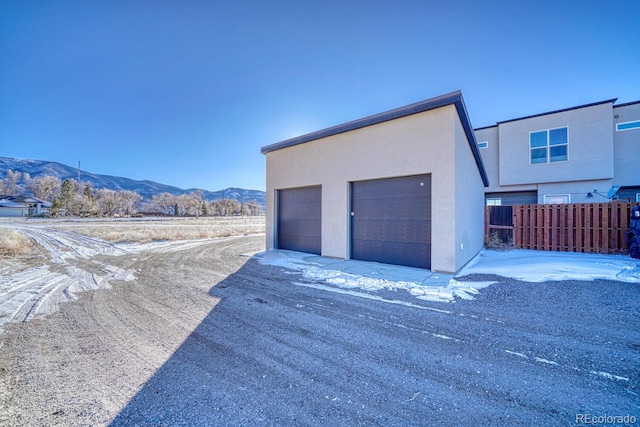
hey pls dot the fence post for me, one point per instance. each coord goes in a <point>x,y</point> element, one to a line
<point>486,223</point>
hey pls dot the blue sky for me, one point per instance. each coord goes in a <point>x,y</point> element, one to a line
<point>186,92</point>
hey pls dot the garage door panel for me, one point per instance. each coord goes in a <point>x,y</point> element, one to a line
<point>411,255</point>
<point>397,208</point>
<point>398,231</point>
<point>296,242</point>
<point>391,220</point>
<point>299,219</point>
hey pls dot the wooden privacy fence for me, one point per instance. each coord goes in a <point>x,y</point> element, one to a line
<point>575,227</point>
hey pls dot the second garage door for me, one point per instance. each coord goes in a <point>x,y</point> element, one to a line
<point>391,221</point>
<point>299,219</point>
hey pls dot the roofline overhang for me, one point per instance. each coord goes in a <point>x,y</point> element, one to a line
<point>453,98</point>
<point>593,104</point>
<point>626,104</point>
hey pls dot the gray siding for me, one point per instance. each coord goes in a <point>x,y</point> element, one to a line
<point>515,197</point>
<point>590,150</point>
<point>627,147</point>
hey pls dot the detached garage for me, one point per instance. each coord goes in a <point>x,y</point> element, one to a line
<point>401,187</point>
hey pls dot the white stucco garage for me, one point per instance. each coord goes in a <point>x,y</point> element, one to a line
<point>402,187</point>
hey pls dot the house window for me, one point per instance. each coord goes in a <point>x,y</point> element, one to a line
<point>494,202</point>
<point>548,146</point>
<point>556,199</point>
<point>628,125</point>
<point>483,144</point>
<point>637,197</point>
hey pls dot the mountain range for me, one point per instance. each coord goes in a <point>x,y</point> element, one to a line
<point>147,189</point>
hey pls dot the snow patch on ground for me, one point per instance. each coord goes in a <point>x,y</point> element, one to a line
<point>369,278</point>
<point>543,266</point>
<point>525,265</point>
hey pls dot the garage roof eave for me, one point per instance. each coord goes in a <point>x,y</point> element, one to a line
<point>454,98</point>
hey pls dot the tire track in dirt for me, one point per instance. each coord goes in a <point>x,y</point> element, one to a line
<point>69,268</point>
<point>84,363</point>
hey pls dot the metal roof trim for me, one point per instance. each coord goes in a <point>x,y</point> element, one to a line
<point>626,104</point>
<point>453,98</point>
<point>593,104</point>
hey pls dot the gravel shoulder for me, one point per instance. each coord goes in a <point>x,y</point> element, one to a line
<point>207,336</point>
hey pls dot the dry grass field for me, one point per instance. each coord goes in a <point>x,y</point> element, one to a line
<point>13,243</point>
<point>145,230</point>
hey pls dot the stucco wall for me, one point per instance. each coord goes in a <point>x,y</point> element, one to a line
<point>469,202</point>
<point>416,144</point>
<point>590,152</point>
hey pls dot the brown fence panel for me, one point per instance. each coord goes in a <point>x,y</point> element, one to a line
<point>576,227</point>
<point>498,221</point>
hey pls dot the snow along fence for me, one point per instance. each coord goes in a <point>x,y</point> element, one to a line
<point>573,227</point>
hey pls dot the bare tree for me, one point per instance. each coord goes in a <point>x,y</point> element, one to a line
<point>215,207</point>
<point>11,183</point>
<point>166,203</point>
<point>193,203</point>
<point>225,207</point>
<point>129,201</point>
<point>45,187</point>
<point>254,208</point>
<point>108,202</point>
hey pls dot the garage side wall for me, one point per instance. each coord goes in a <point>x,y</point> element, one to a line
<point>422,143</point>
<point>469,203</point>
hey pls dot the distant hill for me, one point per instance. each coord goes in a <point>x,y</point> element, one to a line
<point>147,189</point>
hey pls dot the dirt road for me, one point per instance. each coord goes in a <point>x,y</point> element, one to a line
<point>202,335</point>
<point>79,363</point>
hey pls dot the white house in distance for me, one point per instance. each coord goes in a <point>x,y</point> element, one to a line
<point>402,187</point>
<point>584,154</point>
<point>12,209</point>
<point>23,206</point>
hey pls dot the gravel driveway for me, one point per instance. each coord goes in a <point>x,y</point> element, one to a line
<point>206,336</point>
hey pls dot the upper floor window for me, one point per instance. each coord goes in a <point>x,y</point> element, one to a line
<point>628,125</point>
<point>549,145</point>
<point>483,144</point>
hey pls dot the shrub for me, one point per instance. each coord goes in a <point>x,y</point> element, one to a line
<point>13,243</point>
<point>495,241</point>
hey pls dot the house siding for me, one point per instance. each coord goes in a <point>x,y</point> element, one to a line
<point>599,157</point>
<point>490,155</point>
<point>626,146</point>
<point>13,212</point>
<point>590,149</point>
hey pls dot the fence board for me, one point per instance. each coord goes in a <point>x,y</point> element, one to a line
<point>614,229</point>
<point>595,229</point>
<point>605,230</point>
<point>570,227</point>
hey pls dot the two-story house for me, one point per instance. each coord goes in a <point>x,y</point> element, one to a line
<point>584,154</point>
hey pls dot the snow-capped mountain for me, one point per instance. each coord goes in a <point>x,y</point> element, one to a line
<point>146,189</point>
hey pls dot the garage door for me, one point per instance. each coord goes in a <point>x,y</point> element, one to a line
<point>391,221</point>
<point>299,211</point>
